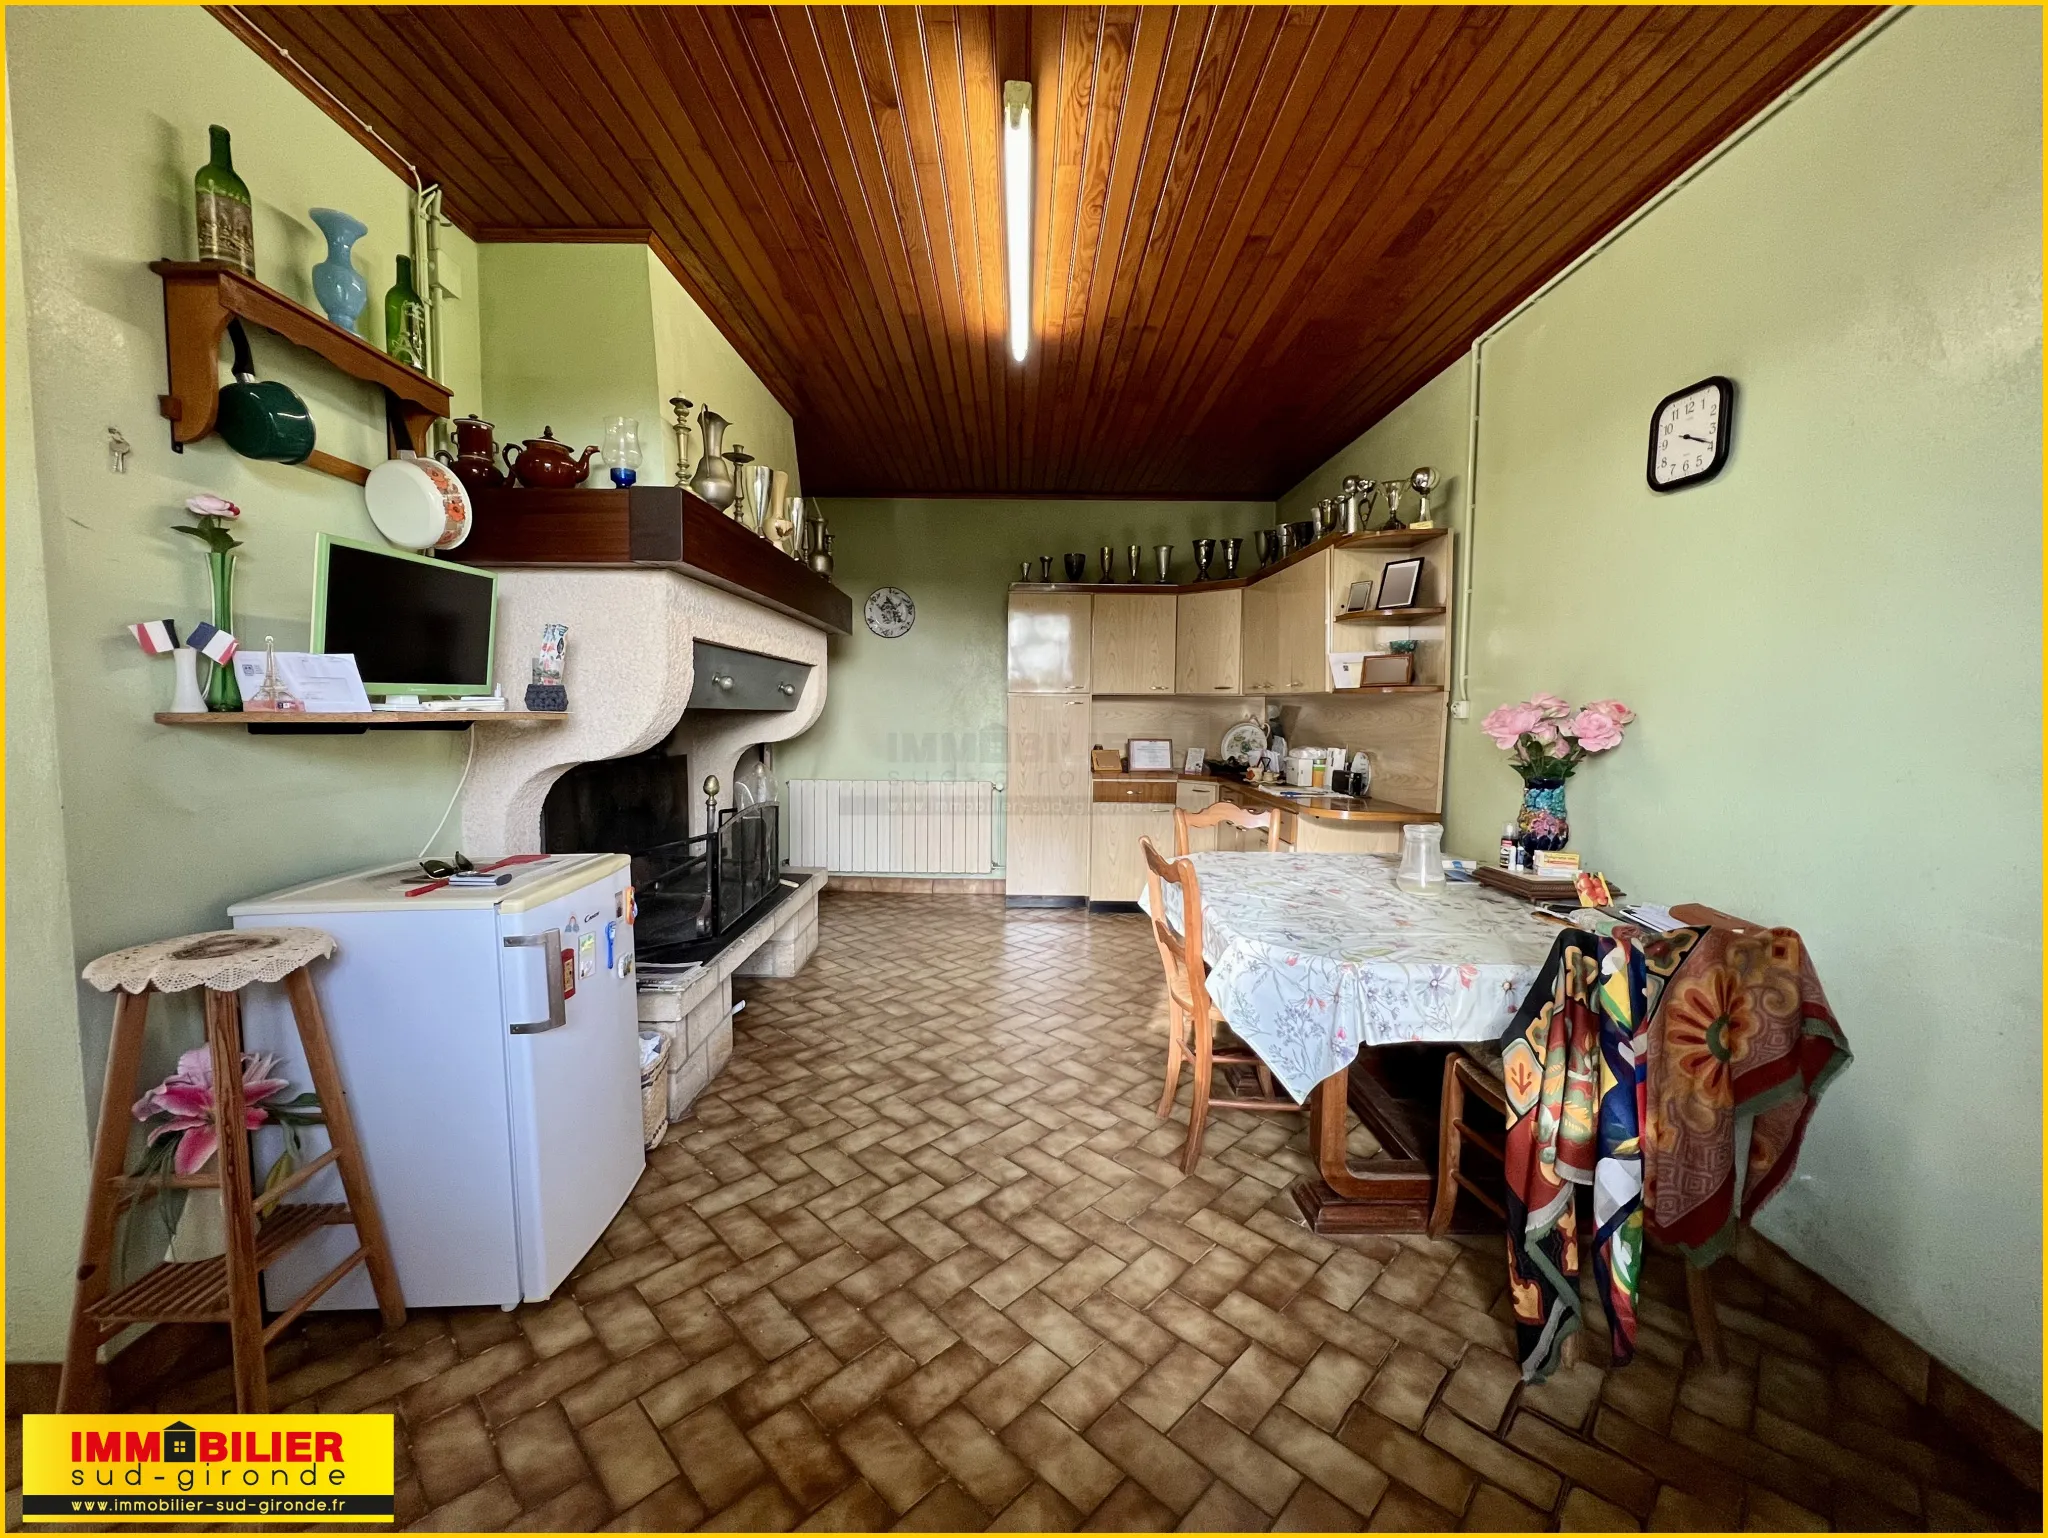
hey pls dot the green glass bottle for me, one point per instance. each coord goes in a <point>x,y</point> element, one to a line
<point>405,319</point>
<point>227,231</point>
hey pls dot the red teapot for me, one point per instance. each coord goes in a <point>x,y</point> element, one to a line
<point>548,462</point>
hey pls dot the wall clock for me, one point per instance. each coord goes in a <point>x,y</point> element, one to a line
<point>890,613</point>
<point>1689,434</point>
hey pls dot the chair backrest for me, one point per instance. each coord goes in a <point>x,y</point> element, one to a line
<point>1184,981</point>
<point>1221,812</point>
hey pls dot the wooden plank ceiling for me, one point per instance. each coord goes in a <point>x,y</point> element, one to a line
<point>1257,229</point>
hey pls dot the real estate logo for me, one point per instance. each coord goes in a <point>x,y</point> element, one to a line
<point>206,1468</point>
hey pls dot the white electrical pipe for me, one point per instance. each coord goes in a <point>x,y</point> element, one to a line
<point>1017,209</point>
<point>1461,699</point>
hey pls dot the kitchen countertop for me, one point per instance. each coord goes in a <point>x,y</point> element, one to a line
<point>1321,806</point>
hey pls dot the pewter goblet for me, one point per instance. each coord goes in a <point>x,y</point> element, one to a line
<point>1163,556</point>
<point>1045,568</point>
<point>1108,563</point>
<point>1076,565</point>
<point>1231,549</point>
<point>1132,573</point>
<point>1205,552</point>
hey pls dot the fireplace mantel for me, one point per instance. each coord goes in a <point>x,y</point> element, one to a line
<point>629,671</point>
<point>648,527</point>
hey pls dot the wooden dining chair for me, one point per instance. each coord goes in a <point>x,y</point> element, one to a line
<point>1224,812</point>
<point>1469,1070</point>
<point>1464,1072</point>
<point>1191,1019</point>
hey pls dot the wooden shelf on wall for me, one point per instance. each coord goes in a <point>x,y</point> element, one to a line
<point>663,526</point>
<point>1388,539</point>
<point>200,298</point>
<point>340,723</point>
<point>1386,616</point>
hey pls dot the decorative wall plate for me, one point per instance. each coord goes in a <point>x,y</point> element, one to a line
<point>890,613</point>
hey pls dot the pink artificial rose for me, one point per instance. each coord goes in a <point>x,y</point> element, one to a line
<point>1595,731</point>
<point>1548,734</point>
<point>1551,706</point>
<point>1507,724</point>
<point>1614,710</point>
<point>207,505</point>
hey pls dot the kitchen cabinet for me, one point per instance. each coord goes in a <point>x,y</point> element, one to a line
<point>1116,865</point>
<point>1260,665</point>
<point>1208,642</point>
<point>1050,650</point>
<point>1195,796</point>
<point>1048,797</point>
<point>1132,643</point>
<point>1302,664</point>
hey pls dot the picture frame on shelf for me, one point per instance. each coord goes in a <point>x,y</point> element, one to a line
<point>1149,753</point>
<point>1400,583</point>
<point>1359,597</point>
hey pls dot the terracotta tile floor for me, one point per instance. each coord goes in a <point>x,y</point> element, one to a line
<point>922,1259</point>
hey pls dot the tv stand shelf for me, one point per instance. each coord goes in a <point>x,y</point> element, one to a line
<point>274,723</point>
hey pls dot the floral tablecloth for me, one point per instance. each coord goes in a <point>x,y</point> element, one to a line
<point>1313,956</point>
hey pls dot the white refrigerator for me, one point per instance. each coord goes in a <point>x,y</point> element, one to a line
<point>488,1040</point>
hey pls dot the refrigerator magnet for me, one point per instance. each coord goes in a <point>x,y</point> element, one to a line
<point>586,962</point>
<point>611,946</point>
<point>568,974</point>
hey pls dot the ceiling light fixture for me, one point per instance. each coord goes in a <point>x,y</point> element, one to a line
<point>1017,209</point>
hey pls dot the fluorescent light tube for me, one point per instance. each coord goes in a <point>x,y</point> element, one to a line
<point>1017,209</point>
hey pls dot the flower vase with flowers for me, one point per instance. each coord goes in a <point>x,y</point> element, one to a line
<point>184,1132</point>
<point>1546,740</point>
<point>211,516</point>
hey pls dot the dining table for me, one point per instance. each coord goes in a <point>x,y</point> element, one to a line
<point>1326,968</point>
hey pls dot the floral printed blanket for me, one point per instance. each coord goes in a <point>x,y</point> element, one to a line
<point>1672,1076</point>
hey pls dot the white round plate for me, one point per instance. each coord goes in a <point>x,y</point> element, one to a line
<point>418,504</point>
<point>1244,740</point>
<point>889,612</point>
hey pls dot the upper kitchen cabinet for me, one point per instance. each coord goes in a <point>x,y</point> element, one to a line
<point>1259,670</point>
<point>1301,664</point>
<point>1133,643</point>
<point>1208,642</point>
<point>1050,646</point>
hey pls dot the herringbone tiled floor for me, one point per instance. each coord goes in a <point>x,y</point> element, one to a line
<point>921,1258</point>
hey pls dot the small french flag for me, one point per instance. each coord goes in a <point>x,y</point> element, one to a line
<point>211,642</point>
<point>155,636</point>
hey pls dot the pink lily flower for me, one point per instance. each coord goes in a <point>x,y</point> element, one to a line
<point>186,1102</point>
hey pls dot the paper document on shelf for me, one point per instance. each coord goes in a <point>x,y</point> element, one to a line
<point>315,683</point>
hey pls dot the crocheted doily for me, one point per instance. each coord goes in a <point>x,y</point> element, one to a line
<point>221,959</point>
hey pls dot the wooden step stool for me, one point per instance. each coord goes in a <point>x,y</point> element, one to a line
<point>224,1289</point>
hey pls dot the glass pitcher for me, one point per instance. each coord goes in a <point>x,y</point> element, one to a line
<point>1422,859</point>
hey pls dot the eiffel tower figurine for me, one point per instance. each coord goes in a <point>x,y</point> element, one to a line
<point>273,695</point>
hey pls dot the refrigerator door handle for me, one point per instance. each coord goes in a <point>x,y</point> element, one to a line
<point>549,943</point>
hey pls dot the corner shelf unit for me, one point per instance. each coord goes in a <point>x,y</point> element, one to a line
<point>200,298</point>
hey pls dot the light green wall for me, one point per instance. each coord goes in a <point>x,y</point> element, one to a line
<point>575,334</point>
<point>1835,646</point>
<point>162,827</point>
<point>930,705</point>
<point>1429,428</point>
<point>46,1121</point>
<point>693,359</point>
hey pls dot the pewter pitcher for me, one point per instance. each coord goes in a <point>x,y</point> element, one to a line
<point>714,480</point>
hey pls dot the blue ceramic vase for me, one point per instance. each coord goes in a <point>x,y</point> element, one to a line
<point>341,290</point>
<point>1542,823</point>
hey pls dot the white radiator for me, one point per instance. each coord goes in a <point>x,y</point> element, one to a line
<point>893,827</point>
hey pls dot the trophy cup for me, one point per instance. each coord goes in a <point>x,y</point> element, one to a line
<point>1424,481</point>
<point>1393,491</point>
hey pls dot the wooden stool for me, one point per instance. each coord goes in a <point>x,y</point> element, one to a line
<point>224,1289</point>
<point>1465,1072</point>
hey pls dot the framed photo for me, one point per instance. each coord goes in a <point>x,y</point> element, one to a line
<point>1195,762</point>
<point>1154,753</point>
<point>1399,582</point>
<point>1359,597</point>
